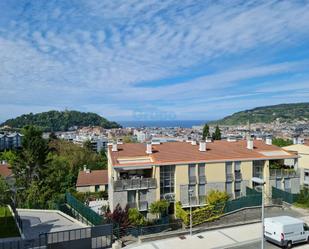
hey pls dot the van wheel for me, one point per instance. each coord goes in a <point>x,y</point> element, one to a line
<point>289,244</point>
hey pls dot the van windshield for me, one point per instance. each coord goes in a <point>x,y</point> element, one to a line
<point>306,227</point>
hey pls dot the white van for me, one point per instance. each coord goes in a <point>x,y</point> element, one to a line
<point>285,231</point>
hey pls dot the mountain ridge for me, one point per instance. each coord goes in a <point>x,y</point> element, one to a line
<point>286,112</point>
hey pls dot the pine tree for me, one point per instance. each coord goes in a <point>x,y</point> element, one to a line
<point>217,134</point>
<point>206,132</point>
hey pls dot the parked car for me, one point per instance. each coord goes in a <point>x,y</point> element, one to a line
<point>285,231</point>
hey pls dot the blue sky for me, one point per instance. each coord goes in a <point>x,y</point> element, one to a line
<point>152,59</point>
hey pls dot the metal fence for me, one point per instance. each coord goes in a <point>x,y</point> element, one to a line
<point>83,210</point>
<point>100,237</point>
<point>283,195</point>
<point>242,202</point>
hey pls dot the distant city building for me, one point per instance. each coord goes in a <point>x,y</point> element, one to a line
<point>10,141</point>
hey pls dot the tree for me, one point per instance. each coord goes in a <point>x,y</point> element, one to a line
<point>87,145</point>
<point>215,196</point>
<point>282,142</point>
<point>8,156</point>
<point>206,132</point>
<point>4,190</point>
<point>159,208</point>
<point>217,134</point>
<point>32,159</point>
<point>120,216</point>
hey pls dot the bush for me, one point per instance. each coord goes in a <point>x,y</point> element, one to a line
<point>136,218</point>
<point>159,208</point>
<point>215,196</point>
<point>199,215</point>
<point>303,197</point>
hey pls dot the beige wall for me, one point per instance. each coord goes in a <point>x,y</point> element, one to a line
<point>303,152</point>
<point>156,174</point>
<point>181,178</point>
<point>246,168</point>
<point>90,188</point>
<point>215,172</point>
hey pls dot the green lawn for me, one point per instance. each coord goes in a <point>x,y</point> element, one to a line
<point>8,226</point>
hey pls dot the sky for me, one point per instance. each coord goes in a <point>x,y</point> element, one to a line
<point>152,59</point>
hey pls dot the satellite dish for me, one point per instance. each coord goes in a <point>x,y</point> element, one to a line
<point>169,197</point>
<point>258,188</point>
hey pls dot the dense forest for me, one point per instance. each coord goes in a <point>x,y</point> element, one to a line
<point>60,120</point>
<point>268,114</point>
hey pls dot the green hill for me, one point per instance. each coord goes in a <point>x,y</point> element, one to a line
<point>267,114</point>
<point>60,121</point>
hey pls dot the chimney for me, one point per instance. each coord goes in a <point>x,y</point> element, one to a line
<point>269,141</point>
<point>250,144</point>
<point>85,168</point>
<point>114,147</point>
<point>202,146</point>
<point>149,148</point>
<point>208,140</point>
<point>193,142</point>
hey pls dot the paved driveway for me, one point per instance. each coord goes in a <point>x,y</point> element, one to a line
<point>36,222</point>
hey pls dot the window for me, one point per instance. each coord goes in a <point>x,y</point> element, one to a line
<point>278,183</point>
<point>229,188</point>
<point>287,184</point>
<point>97,188</point>
<point>131,196</point>
<point>228,167</point>
<point>192,174</point>
<point>306,228</point>
<point>201,173</point>
<point>201,190</point>
<point>167,180</point>
<point>237,165</point>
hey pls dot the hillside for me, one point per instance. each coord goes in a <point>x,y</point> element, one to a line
<point>60,121</point>
<point>267,114</point>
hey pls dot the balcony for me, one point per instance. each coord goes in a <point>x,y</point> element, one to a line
<point>143,206</point>
<point>132,205</point>
<point>282,173</point>
<point>202,199</point>
<point>133,184</point>
<point>192,180</point>
<point>238,175</point>
<point>193,201</point>
<point>229,177</point>
<point>202,179</point>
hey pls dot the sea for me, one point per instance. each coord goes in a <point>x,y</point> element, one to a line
<point>162,123</point>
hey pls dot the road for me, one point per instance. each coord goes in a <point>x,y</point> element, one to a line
<point>245,237</point>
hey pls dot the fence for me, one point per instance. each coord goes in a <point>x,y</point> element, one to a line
<point>100,237</point>
<point>242,202</point>
<point>284,196</point>
<point>83,210</point>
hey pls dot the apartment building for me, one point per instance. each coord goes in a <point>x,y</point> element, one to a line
<point>10,141</point>
<point>140,174</point>
<point>302,148</point>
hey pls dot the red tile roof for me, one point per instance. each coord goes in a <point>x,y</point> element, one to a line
<point>184,152</point>
<point>5,171</point>
<point>94,177</point>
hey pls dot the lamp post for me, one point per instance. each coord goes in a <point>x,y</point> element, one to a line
<point>190,196</point>
<point>261,183</point>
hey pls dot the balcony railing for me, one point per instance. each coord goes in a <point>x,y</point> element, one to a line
<point>306,179</point>
<point>281,173</point>
<point>258,175</point>
<point>229,177</point>
<point>192,201</point>
<point>143,206</point>
<point>131,184</point>
<point>202,179</point>
<point>238,175</point>
<point>202,199</point>
<point>132,204</point>
<point>192,179</point>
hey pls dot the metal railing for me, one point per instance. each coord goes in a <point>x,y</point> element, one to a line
<point>192,179</point>
<point>143,205</point>
<point>281,173</point>
<point>202,199</point>
<point>132,204</point>
<point>238,175</point>
<point>130,184</point>
<point>202,179</point>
